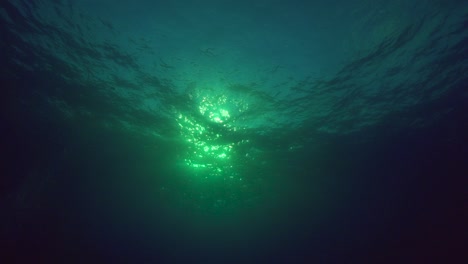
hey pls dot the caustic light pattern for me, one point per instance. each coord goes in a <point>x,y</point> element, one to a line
<point>208,150</point>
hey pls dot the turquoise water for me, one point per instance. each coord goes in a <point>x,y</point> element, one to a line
<point>233,131</point>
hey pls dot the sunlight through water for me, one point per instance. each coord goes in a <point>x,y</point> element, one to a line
<point>210,151</point>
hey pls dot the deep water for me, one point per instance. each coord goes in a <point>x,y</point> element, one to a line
<point>233,131</point>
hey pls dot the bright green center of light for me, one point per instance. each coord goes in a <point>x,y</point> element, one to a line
<point>207,149</point>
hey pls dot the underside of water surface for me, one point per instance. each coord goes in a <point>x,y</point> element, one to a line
<point>233,131</point>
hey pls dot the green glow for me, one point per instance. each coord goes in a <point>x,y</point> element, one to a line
<point>224,113</point>
<point>206,153</point>
<point>213,108</point>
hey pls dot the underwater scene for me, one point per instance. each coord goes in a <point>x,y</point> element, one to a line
<point>222,131</point>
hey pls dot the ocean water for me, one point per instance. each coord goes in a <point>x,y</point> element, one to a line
<point>233,131</point>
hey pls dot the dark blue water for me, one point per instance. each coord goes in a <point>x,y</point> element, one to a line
<point>233,131</point>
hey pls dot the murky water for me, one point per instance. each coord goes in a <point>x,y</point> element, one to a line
<point>232,131</point>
